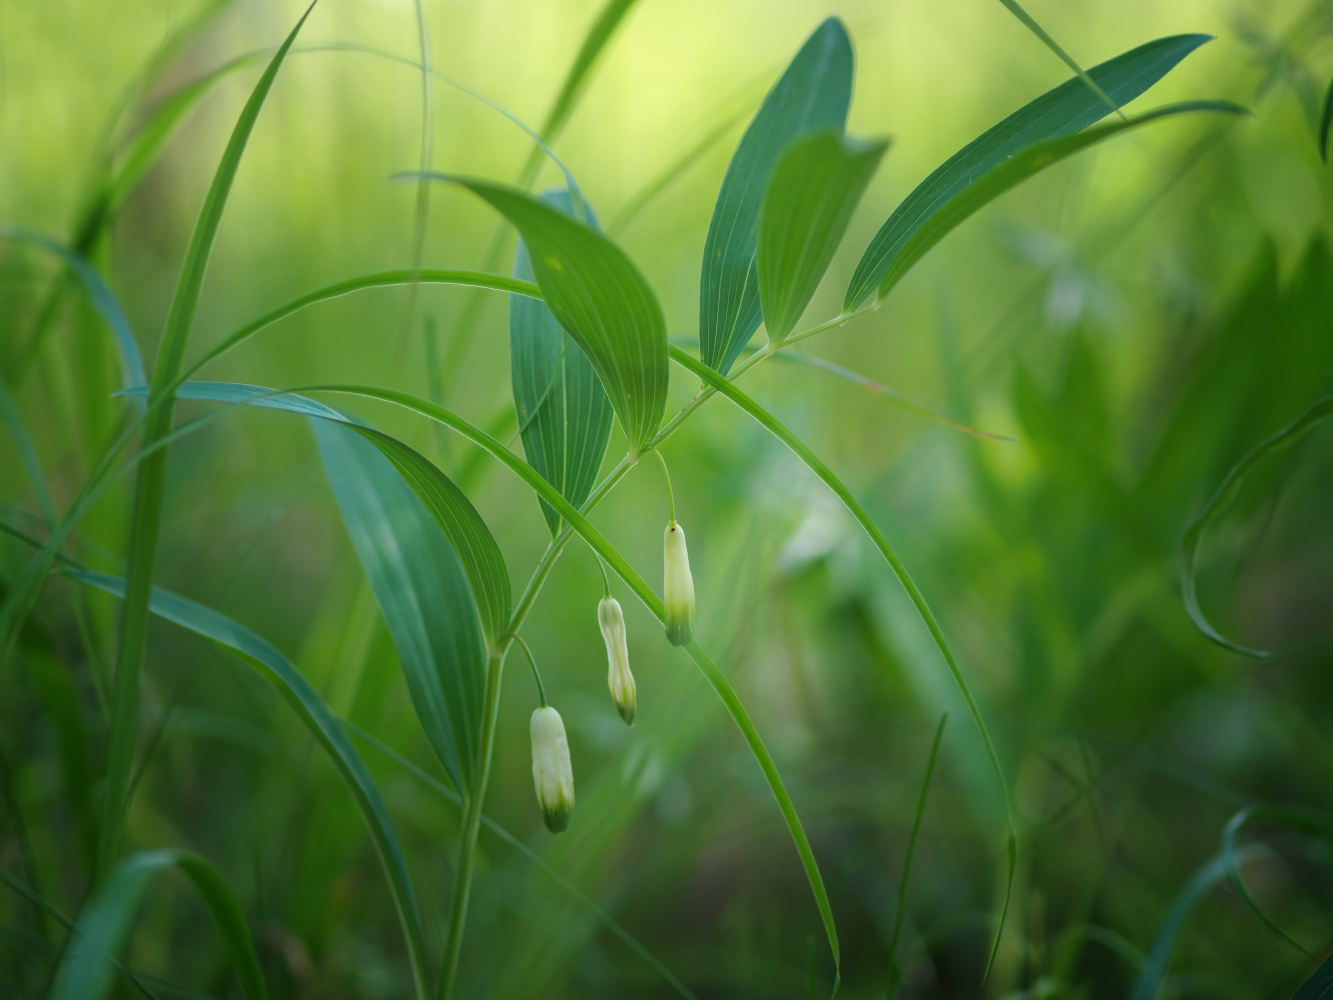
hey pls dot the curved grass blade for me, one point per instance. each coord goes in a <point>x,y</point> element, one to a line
<point>323,725</point>
<point>814,92</point>
<point>1013,7</point>
<point>423,185</point>
<point>1164,942</point>
<point>814,189</point>
<point>1319,985</point>
<point>532,856</point>
<point>812,461</point>
<point>945,216</point>
<point>1299,818</point>
<point>563,411</point>
<point>601,299</point>
<point>599,34</point>
<point>422,592</point>
<point>1326,122</point>
<point>1189,547</point>
<point>1065,110</point>
<point>86,972</point>
<point>150,480</point>
<point>579,523</point>
<point>101,297</point>
<point>895,976</point>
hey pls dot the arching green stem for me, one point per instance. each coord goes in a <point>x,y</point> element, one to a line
<point>541,688</point>
<point>671,494</point>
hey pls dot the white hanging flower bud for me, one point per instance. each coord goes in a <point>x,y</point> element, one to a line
<point>618,677</point>
<point>552,772</point>
<point>677,587</point>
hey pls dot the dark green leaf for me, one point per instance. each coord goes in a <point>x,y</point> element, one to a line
<point>563,410</point>
<point>1068,108</point>
<point>86,972</point>
<point>809,202</point>
<point>814,93</point>
<point>601,299</point>
<point>1320,984</point>
<point>887,263</point>
<point>323,725</point>
<point>1326,122</point>
<point>1280,441</point>
<point>422,592</point>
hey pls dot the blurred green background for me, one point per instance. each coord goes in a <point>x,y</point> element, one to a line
<point>1136,319</point>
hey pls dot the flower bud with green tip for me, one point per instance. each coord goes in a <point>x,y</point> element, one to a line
<point>618,677</point>
<point>552,772</point>
<point>677,586</point>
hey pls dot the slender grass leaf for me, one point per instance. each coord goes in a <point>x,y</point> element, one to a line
<point>599,34</point>
<point>813,462</point>
<point>1302,819</point>
<point>1319,985</point>
<point>895,975</point>
<point>563,410</point>
<point>472,541</point>
<point>101,297</point>
<point>814,92</point>
<point>13,421</point>
<point>86,972</point>
<point>1065,110</point>
<point>579,523</point>
<point>966,200</point>
<point>531,856</point>
<point>422,592</point>
<point>323,725</point>
<point>1278,442</point>
<point>150,480</point>
<point>1164,942</point>
<point>1028,22</point>
<point>810,198</point>
<point>1326,122</point>
<point>601,299</point>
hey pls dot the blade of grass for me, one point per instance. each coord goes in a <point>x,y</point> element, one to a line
<point>150,480</point>
<point>530,855</point>
<point>1193,539</point>
<point>1326,123</point>
<point>13,421</point>
<point>85,973</point>
<point>1013,7</point>
<point>1319,986</point>
<point>424,164</point>
<point>812,461</point>
<point>894,975</point>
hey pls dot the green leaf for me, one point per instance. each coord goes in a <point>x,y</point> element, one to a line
<point>473,542</point>
<point>1278,442</point>
<point>1063,111</point>
<point>809,202</point>
<point>422,592</point>
<point>563,411</point>
<point>323,725</point>
<point>1164,942</point>
<point>1326,122</point>
<point>86,972</point>
<point>1319,986</point>
<point>814,93</point>
<point>150,481</point>
<point>1014,8</point>
<point>886,264</point>
<point>601,299</point>
<point>578,522</point>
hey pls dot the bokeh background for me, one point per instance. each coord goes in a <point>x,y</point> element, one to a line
<point>1136,319</point>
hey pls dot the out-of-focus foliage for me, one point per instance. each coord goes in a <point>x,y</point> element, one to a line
<point>1138,318</point>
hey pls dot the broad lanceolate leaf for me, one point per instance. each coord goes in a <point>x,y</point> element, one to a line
<point>1023,164</point>
<point>810,199</point>
<point>86,972</point>
<point>1280,441</point>
<point>323,725</point>
<point>601,299</point>
<point>473,542</point>
<point>563,411</point>
<point>814,93</point>
<point>1068,108</point>
<point>422,592</point>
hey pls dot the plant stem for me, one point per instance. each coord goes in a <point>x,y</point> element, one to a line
<point>467,850</point>
<point>532,660</point>
<point>671,494</point>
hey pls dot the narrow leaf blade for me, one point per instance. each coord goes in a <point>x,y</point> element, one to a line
<point>814,92</point>
<point>809,202</point>
<point>1065,110</point>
